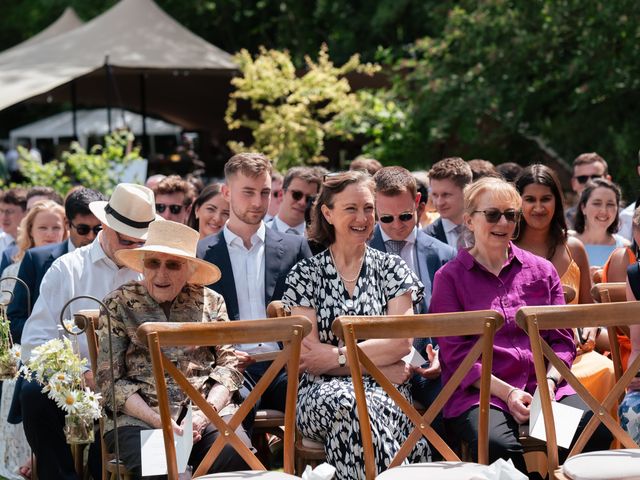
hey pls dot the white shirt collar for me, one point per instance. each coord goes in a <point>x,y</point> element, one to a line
<point>70,246</point>
<point>411,238</point>
<point>96,253</point>
<point>448,225</point>
<point>231,238</point>
<point>281,226</point>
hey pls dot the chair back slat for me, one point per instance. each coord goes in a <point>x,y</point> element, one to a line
<point>535,320</point>
<point>288,330</point>
<point>482,324</point>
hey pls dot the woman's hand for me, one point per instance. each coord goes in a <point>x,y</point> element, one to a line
<point>518,402</point>
<point>398,372</point>
<point>244,360</point>
<point>317,358</point>
<point>433,370</point>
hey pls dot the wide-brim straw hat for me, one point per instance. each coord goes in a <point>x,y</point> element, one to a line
<point>174,239</point>
<point>129,211</point>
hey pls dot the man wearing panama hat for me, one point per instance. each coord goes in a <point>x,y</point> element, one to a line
<point>91,270</point>
<point>172,288</point>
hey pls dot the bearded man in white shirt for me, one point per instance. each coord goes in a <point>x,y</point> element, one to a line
<point>90,270</point>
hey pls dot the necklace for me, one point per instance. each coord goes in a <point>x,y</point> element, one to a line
<point>345,280</point>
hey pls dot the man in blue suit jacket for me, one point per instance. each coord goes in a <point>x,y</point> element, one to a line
<point>83,227</point>
<point>254,261</point>
<point>397,232</point>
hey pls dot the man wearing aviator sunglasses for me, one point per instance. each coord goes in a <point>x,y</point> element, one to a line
<point>397,232</point>
<point>174,197</point>
<point>300,187</point>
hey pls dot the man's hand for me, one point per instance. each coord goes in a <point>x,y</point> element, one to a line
<point>244,360</point>
<point>433,370</point>
<point>398,372</point>
<point>200,422</point>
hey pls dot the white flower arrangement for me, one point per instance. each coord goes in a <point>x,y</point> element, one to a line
<point>9,353</point>
<point>59,370</point>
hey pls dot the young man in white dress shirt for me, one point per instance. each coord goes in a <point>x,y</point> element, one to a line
<point>90,270</point>
<point>254,261</point>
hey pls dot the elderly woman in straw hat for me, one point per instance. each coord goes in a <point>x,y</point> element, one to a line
<point>173,290</point>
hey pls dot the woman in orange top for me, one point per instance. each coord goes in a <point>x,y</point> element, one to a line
<point>543,231</point>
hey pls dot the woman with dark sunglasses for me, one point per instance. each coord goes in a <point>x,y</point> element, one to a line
<point>495,274</point>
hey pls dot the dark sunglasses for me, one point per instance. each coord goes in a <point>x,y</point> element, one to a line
<point>175,209</point>
<point>585,178</point>
<point>155,264</point>
<point>297,195</point>
<point>403,217</point>
<point>84,229</point>
<point>127,243</point>
<point>492,215</point>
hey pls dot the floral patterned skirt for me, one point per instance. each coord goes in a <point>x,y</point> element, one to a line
<point>327,413</point>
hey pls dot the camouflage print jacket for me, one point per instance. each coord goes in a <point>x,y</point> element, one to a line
<point>130,306</point>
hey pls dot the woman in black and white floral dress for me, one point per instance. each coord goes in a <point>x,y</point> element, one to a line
<point>350,278</point>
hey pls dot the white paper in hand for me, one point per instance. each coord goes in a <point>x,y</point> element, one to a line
<point>154,459</point>
<point>414,358</point>
<point>565,418</point>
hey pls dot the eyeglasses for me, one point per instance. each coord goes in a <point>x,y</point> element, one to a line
<point>297,195</point>
<point>585,178</point>
<point>403,217</point>
<point>156,263</point>
<point>128,243</point>
<point>174,208</point>
<point>8,211</point>
<point>84,229</point>
<point>492,215</point>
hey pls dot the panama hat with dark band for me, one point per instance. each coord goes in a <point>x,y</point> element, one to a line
<point>129,211</point>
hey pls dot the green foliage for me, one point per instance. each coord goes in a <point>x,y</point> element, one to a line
<point>94,169</point>
<point>564,73</point>
<point>292,115</point>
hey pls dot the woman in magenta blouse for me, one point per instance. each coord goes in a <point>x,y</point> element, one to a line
<point>495,274</point>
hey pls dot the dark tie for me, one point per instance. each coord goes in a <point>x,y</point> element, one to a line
<point>460,243</point>
<point>395,246</point>
<point>292,231</point>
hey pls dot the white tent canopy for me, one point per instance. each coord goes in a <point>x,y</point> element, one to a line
<point>90,122</point>
<point>133,34</point>
<point>68,21</point>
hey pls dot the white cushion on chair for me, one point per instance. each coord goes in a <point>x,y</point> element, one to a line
<point>249,475</point>
<point>604,465</point>
<point>268,414</point>
<point>435,471</point>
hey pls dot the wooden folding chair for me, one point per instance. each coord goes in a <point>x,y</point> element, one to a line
<point>602,465</point>
<point>288,330</point>
<point>307,451</point>
<point>483,324</point>
<point>89,321</point>
<point>611,293</point>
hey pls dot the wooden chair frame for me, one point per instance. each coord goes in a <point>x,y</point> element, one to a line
<point>288,330</point>
<point>89,321</point>
<point>536,319</point>
<point>480,323</point>
<point>613,292</point>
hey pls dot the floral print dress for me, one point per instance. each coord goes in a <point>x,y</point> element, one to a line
<point>326,409</point>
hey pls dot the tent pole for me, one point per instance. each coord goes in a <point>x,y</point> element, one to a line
<point>107,70</point>
<point>74,109</point>
<point>143,112</point>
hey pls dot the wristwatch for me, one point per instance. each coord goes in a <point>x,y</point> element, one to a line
<point>342,358</point>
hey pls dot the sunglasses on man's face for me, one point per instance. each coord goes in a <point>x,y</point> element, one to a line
<point>492,215</point>
<point>156,263</point>
<point>297,195</point>
<point>174,208</point>
<point>585,178</point>
<point>84,229</point>
<point>403,217</point>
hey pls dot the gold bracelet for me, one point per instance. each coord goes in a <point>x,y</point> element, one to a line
<point>510,392</point>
